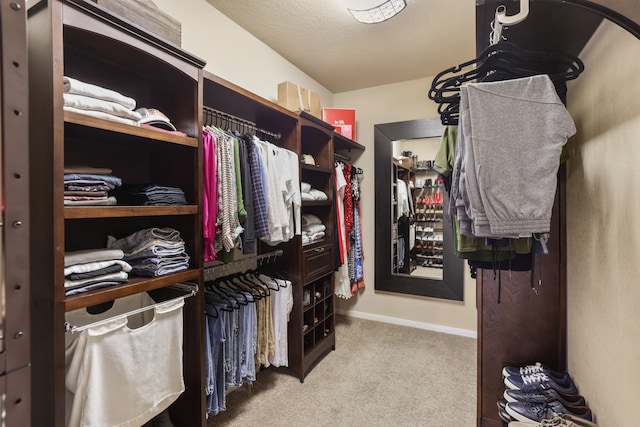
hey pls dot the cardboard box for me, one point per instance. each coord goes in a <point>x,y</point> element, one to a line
<point>297,99</point>
<point>146,14</point>
<point>343,119</point>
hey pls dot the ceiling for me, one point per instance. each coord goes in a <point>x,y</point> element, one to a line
<point>322,39</point>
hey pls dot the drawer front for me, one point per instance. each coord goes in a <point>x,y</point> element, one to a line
<point>317,262</point>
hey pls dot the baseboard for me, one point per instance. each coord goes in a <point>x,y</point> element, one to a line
<point>410,323</point>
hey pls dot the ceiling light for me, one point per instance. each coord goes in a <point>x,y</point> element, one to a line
<point>383,11</point>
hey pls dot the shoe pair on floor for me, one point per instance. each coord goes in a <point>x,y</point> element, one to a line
<point>536,393</point>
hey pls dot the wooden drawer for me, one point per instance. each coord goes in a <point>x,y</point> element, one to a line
<point>317,262</point>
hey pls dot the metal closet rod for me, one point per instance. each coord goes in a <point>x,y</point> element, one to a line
<point>210,270</point>
<point>208,111</point>
<point>191,289</point>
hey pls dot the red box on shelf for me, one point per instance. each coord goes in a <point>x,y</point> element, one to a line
<point>343,119</point>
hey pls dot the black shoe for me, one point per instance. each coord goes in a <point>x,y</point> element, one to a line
<point>539,396</point>
<point>540,381</point>
<point>536,412</point>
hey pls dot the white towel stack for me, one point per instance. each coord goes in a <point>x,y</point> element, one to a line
<point>309,193</point>
<point>312,229</point>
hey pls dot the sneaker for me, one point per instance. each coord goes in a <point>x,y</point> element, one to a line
<point>504,416</point>
<point>531,369</point>
<point>558,420</point>
<point>536,412</point>
<point>543,396</point>
<point>534,381</point>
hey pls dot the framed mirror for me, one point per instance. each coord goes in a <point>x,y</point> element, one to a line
<point>396,234</point>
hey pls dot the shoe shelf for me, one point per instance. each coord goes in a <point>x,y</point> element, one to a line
<point>318,316</point>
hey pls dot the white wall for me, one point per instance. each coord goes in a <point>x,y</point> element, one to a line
<point>233,54</point>
<point>603,228</point>
<point>386,104</point>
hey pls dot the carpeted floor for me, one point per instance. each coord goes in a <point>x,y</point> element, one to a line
<point>379,375</point>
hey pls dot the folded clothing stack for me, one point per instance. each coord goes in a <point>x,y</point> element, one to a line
<point>536,394</point>
<point>150,195</point>
<point>89,186</point>
<point>153,252</point>
<point>96,101</point>
<point>90,269</point>
<point>309,193</point>
<point>312,229</point>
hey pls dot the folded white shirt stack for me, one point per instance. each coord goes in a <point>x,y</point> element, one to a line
<point>309,193</point>
<point>96,101</point>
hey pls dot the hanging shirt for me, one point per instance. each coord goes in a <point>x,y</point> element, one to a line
<point>402,197</point>
<point>209,199</point>
<point>242,213</point>
<point>342,287</point>
<point>248,235</point>
<point>260,191</point>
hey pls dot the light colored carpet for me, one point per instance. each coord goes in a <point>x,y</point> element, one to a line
<point>379,375</point>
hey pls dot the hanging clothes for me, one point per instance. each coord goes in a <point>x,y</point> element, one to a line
<point>350,275</point>
<point>495,192</point>
<point>246,327</point>
<point>210,195</point>
<point>342,283</point>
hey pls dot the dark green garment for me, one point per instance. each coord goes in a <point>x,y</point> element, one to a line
<point>242,213</point>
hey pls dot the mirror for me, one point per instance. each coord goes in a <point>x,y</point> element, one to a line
<point>421,238</point>
<point>445,281</point>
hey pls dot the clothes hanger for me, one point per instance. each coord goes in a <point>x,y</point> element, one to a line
<point>502,61</point>
<point>213,294</point>
<point>221,286</point>
<point>255,275</point>
<point>237,279</point>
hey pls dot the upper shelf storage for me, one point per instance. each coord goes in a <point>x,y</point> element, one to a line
<point>98,48</point>
<point>341,143</point>
<point>232,100</point>
<point>98,60</point>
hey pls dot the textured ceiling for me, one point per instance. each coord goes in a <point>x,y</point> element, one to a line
<point>322,39</point>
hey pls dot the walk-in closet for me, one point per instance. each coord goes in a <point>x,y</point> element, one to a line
<point>182,246</point>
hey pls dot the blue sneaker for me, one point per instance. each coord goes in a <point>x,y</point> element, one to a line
<point>540,396</point>
<point>540,381</point>
<point>537,368</point>
<point>536,412</point>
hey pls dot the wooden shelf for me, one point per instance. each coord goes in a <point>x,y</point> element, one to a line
<point>110,126</point>
<point>80,39</point>
<point>317,203</point>
<point>75,212</point>
<point>314,168</point>
<point>343,143</point>
<point>134,286</point>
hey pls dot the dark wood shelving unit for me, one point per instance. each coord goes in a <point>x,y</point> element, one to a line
<point>82,40</point>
